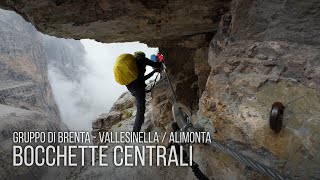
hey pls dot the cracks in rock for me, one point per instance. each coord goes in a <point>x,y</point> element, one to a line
<point>221,38</point>
<point>100,13</point>
<point>154,4</point>
<point>58,2</point>
<point>290,158</point>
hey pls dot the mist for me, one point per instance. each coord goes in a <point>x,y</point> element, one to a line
<point>82,100</point>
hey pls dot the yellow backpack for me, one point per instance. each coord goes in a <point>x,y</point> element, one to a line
<point>125,69</point>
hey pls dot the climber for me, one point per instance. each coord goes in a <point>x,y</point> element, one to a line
<point>134,79</point>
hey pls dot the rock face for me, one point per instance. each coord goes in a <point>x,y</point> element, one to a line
<point>188,70</point>
<point>261,55</point>
<point>120,119</point>
<point>20,120</point>
<point>24,81</point>
<point>26,100</point>
<point>65,55</point>
<point>121,116</point>
<point>261,52</point>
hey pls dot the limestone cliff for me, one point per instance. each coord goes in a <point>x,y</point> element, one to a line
<point>66,55</point>
<point>24,81</point>
<point>229,61</point>
<point>26,99</point>
<point>14,119</point>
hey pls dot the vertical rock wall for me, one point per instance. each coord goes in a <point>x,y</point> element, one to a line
<point>24,80</point>
<point>65,55</point>
<point>187,68</point>
<point>266,52</point>
<point>26,99</point>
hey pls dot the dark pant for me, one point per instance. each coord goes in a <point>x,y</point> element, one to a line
<point>137,89</point>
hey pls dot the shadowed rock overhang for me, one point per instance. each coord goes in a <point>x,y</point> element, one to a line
<point>118,21</point>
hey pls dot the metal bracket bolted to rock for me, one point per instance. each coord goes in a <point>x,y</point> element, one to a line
<point>276,116</point>
<point>181,114</point>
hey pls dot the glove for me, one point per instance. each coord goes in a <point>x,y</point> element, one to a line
<point>160,57</point>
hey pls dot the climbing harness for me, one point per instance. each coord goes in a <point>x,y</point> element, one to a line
<point>182,122</point>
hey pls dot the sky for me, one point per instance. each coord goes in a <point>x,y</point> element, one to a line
<point>82,102</point>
